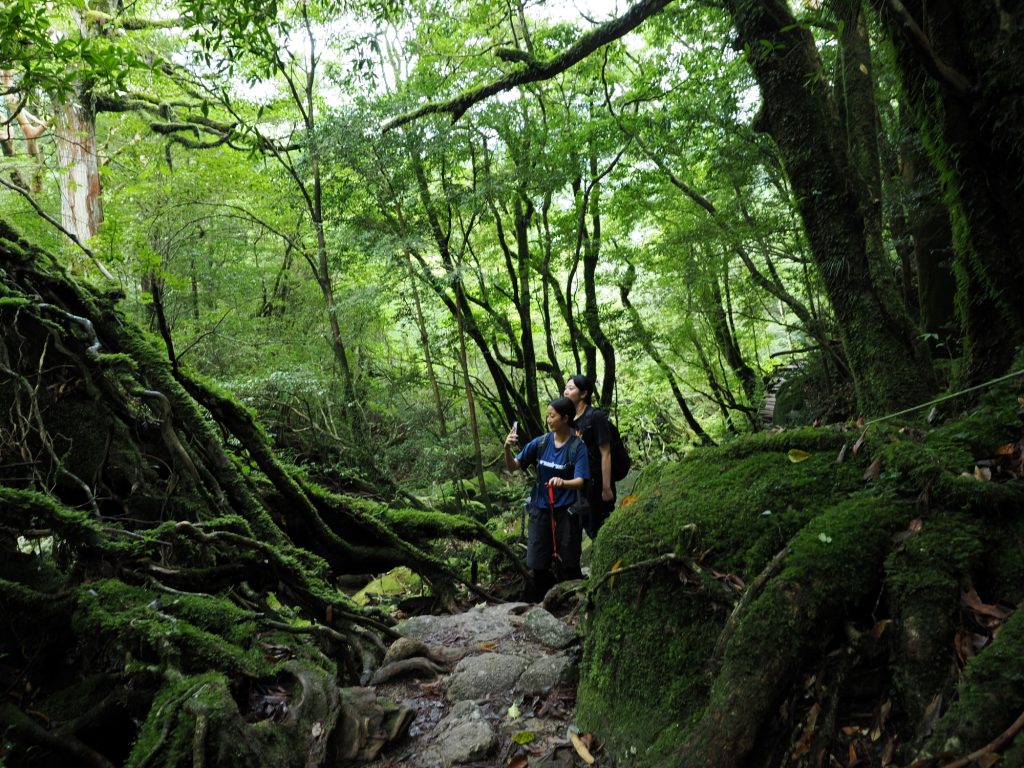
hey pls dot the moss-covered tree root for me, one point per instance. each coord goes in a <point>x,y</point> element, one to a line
<point>864,594</point>
<point>159,565</point>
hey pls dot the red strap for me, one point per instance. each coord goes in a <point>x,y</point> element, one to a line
<point>554,538</point>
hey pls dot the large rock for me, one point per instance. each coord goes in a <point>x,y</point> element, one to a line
<point>466,735</point>
<point>547,672</point>
<point>477,625</point>
<point>545,629</point>
<point>488,674</point>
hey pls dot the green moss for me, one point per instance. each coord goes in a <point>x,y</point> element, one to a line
<point>746,500</point>
<point>642,686</point>
<point>991,696</point>
<point>1005,560</point>
<point>14,302</point>
<point>160,627</point>
<point>167,729</point>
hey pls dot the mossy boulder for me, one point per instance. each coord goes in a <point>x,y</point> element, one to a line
<point>851,565</point>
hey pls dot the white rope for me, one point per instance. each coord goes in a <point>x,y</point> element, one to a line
<point>938,400</point>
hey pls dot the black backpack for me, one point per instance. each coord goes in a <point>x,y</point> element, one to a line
<point>620,456</point>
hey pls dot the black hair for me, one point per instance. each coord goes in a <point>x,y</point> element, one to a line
<point>583,384</point>
<point>565,408</point>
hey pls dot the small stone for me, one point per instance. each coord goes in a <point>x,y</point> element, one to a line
<point>545,629</point>
<point>549,672</point>
<point>468,741</point>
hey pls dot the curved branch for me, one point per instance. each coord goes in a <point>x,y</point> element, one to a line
<point>536,71</point>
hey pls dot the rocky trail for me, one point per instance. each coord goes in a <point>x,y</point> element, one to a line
<point>492,686</point>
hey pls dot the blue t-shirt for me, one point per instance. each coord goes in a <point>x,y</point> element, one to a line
<point>556,462</point>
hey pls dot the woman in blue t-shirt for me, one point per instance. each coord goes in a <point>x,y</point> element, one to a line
<point>554,534</point>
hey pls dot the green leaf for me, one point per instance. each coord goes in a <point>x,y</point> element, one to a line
<point>795,455</point>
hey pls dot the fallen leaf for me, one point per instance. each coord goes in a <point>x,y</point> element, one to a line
<point>1006,450</point>
<point>615,568</point>
<point>915,527</point>
<point>964,647</point>
<point>523,737</point>
<point>842,454</point>
<point>488,645</point>
<point>853,755</point>
<point>795,455</point>
<point>879,629</point>
<point>522,761</point>
<point>889,752</point>
<point>970,599</point>
<point>514,712</point>
<point>931,714</point>
<point>627,500</point>
<point>863,68</point>
<point>983,473</point>
<point>883,715</point>
<point>860,442</point>
<point>874,470</point>
<point>581,749</point>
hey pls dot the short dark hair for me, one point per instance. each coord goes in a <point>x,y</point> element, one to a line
<point>583,384</point>
<point>565,408</point>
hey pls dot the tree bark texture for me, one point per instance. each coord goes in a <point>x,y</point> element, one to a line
<point>961,69</point>
<point>885,361</point>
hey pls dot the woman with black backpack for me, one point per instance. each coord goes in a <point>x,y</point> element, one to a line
<point>593,427</point>
<point>554,535</point>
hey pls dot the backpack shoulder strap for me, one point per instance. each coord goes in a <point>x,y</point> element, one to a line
<point>579,446</point>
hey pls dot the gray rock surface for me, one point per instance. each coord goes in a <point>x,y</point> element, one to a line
<point>477,625</point>
<point>510,695</point>
<point>466,736</point>
<point>545,629</point>
<point>489,674</point>
<point>548,672</point>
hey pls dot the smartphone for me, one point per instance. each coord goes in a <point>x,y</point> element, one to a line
<point>515,427</point>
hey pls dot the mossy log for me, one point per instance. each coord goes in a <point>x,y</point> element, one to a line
<point>855,632</point>
<point>160,568</point>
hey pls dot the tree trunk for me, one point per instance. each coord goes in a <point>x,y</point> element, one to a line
<point>421,325</point>
<point>81,208</point>
<point>886,362</point>
<point>959,65</point>
<point>591,256</point>
<point>523,214</point>
<point>932,243</point>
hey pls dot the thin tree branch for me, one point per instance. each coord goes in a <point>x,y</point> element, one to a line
<point>52,221</point>
<point>931,61</point>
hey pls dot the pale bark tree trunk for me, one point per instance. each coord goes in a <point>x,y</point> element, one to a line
<point>428,359</point>
<point>81,208</point>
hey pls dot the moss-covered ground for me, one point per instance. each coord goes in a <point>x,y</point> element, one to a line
<point>853,556</point>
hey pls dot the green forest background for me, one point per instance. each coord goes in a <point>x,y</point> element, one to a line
<point>362,239</point>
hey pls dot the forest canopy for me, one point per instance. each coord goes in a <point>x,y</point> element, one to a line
<point>276,277</point>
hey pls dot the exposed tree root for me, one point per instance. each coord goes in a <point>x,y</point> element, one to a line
<point>134,544</point>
